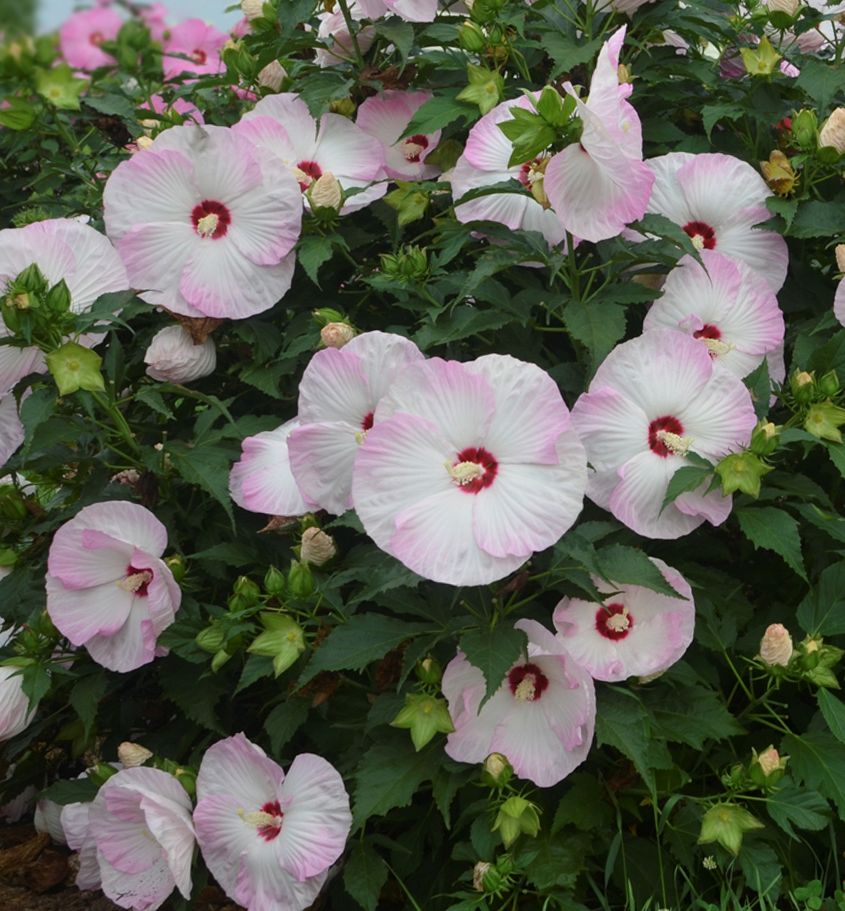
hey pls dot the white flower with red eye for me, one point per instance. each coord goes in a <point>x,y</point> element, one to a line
<point>386,116</point>
<point>205,222</point>
<point>718,200</point>
<point>725,304</point>
<point>15,711</point>
<point>635,632</point>
<point>82,34</point>
<point>283,126</point>
<point>107,586</point>
<point>269,838</point>
<point>541,718</point>
<point>469,468</point>
<point>409,10</point>
<point>338,396</point>
<point>653,400</point>
<point>333,32</point>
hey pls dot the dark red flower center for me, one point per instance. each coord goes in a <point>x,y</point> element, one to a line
<point>96,38</point>
<point>613,621</point>
<point>703,236</point>
<point>474,469</point>
<point>271,830</point>
<point>708,330</point>
<point>414,146</point>
<point>367,423</point>
<point>310,172</point>
<point>137,580</point>
<point>667,424</point>
<point>198,55</point>
<point>527,682</point>
<point>211,219</point>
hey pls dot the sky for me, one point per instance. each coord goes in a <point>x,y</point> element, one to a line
<point>51,13</point>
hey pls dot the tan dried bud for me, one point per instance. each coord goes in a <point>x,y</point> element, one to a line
<point>336,335</point>
<point>776,645</point>
<point>840,257</point>
<point>133,755</point>
<point>143,142</point>
<point>326,192</point>
<point>790,7</point>
<point>778,173</point>
<point>624,74</point>
<point>832,133</point>
<point>272,76</point>
<point>317,547</point>
<point>252,9</point>
<point>478,873</point>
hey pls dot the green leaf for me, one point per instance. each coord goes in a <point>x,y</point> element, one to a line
<point>821,80</point>
<point>822,611</point>
<point>802,807</point>
<point>493,651</point>
<point>389,774</point>
<point>690,714</point>
<point>35,683</point>
<point>690,477</point>
<point>313,251</point>
<point>77,790</point>
<point>400,34</point>
<point>597,326</point>
<point>586,805</point>
<point>786,208</point>
<point>152,398</point>
<point>364,875</point>
<point>293,12</point>
<point>85,699</point>
<point>817,760</point>
<point>19,115</point>
<point>818,219</point>
<point>207,467</point>
<point>711,114</point>
<point>196,698</point>
<point>625,565</point>
<point>284,721</point>
<point>462,322</point>
<point>362,639</point>
<point>568,51</point>
<point>760,386</point>
<point>439,112</point>
<point>833,711</point>
<point>256,667</point>
<point>35,410</point>
<point>776,530</point>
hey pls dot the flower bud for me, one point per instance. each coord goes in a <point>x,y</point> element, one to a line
<point>252,9</point>
<point>429,671</point>
<point>282,640</point>
<point>764,438</point>
<point>497,770</point>
<point>300,581</point>
<point>790,7</point>
<point>326,192</point>
<point>316,547</point>
<point>803,386</point>
<point>832,133</point>
<point>778,173</point>
<point>174,358</point>
<point>776,646</point>
<point>829,383</point>
<point>247,589</point>
<point>517,816</point>
<point>478,873</point>
<point>143,142</point>
<point>471,38</point>
<point>272,76</point>
<point>132,755</point>
<point>274,582</point>
<point>840,257</point>
<point>101,773</point>
<point>219,659</point>
<point>770,761</point>
<point>210,639</point>
<point>336,335</point>
<point>177,566</point>
<point>346,107</point>
<point>805,128</point>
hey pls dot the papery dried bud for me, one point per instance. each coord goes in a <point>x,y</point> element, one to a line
<point>832,133</point>
<point>272,76</point>
<point>143,142</point>
<point>776,645</point>
<point>336,335</point>
<point>252,9</point>
<point>317,547</point>
<point>839,251</point>
<point>789,7</point>
<point>173,357</point>
<point>133,755</point>
<point>624,74</point>
<point>478,873</point>
<point>778,173</point>
<point>326,192</point>
<point>129,477</point>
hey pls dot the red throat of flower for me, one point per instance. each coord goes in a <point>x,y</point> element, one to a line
<point>272,829</point>
<point>309,172</point>
<point>211,219</point>
<point>667,424</point>
<point>474,469</point>
<point>198,55</point>
<point>137,581</point>
<point>702,235</point>
<point>708,330</point>
<point>367,422</point>
<point>414,146</point>
<point>96,38</point>
<point>527,682</point>
<point>613,621</point>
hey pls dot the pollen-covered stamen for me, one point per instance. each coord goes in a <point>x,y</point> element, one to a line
<point>614,621</point>
<point>532,176</point>
<point>474,469</point>
<point>306,172</point>
<point>665,437</point>
<point>413,147</point>
<point>702,235</point>
<point>211,219</point>
<point>527,682</point>
<point>136,581</point>
<point>267,821</point>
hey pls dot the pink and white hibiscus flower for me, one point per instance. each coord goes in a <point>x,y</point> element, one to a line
<point>386,116</point>
<point>469,468</point>
<point>205,222</point>
<point>724,303</point>
<point>197,41</point>
<point>107,588</point>
<point>338,395</point>
<point>409,10</point>
<point>333,32</point>
<point>82,34</point>
<point>598,185</point>
<point>485,162</point>
<point>140,821</point>
<point>181,107</point>
<point>635,632</point>
<point>174,357</point>
<point>717,200</point>
<point>839,295</point>
<point>262,481</point>
<point>15,711</point>
<point>309,149</point>
<point>269,838</point>
<point>11,429</point>
<point>541,718</point>
<point>653,400</point>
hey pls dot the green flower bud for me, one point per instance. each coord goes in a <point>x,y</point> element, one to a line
<point>188,779</point>
<point>803,386</point>
<point>767,768</point>
<point>424,716</point>
<point>829,384</point>
<point>177,566</point>
<point>247,590</point>
<point>274,582</point>
<point>517,816</point>
<point>471,38</point>
<point>344,106</point>
<point>742,471</point>
<point>283,640</point>
<point>429,671</point>
<point>300,580</point>
<point>764,439</point>
<point>497,771</point>
<point>57,301</point>
<point>210,639</point>
<point>805,128</point>
<point>74,367</point>
<point>219,659</point>
<point>326,315</point>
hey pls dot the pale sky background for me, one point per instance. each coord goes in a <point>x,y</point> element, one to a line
<point>51,13</point>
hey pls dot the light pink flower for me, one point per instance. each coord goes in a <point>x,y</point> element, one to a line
<point>48,819</point>
<point>107,588</point>
<point>78,836</point>
<point>333,32</point>
<point>469,468</point>
<point>409,10</point>
<point>199,42</point>
<point>338,395</point>
<point>261,480</point>
<point>776,647</point>
<point>19,806</point>
<point>154,17</point>
<point>600,184</point>
<point>839,301</point>
<point>634,632</point>
<point>11,429</point>
<point>652,400</point>
<point>140,821</point>
<point>717,200</point>
<point>205,223</point>
<point>386,116</point>
<point>15,713</point>
<point>82,34</point>
<point>62,248</point>
<point>541,718</point>
<point>269,838</point>
<point>174,357</point>
<point>187,110</point>
<point>485,162</point>
<point>724,303</point>
<point>283,125</point>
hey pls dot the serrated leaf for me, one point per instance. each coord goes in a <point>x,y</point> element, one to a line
<point>152,398</point>
<point>362,639</point>
<point>399,33</point>
<point>598,326</point>
<point>196,698</point>
<point>294,12</point>
<point>690,477</point>
<point>438,112</point>
<point>817,759</point>
<point>207,467</point>
<point>711,114</point>
<point>256,667</point>
<point>821,80</point>
<point>802,807</point>
<point>284,721</point>
<point>85,699</point>
<point>691,715</point>
<point>35,410</point>
<point>493,652</point>
<point>833,711</point>
<point>79,790</point>
<point>775,530</point>
<point>625,565</point>
<point>818,219</point>
<point>364,875</point>
<point>822,611</point>
<point>313,251</point>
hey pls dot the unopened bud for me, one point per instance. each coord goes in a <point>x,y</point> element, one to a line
<point>832,133</point>
<point>478,873</point>
<point>143,142</point>
<point>317,547</point>
<point>497,770</point>
<point>274,582</point>
<point>770,761</point>
<point>803,386</point>
<point>336,335</point>
<point>272,76</point>
<point>132,755</point>
<point>300,581</point>
<point>344,106</point>
<point>247,590</point>
<point>839,252</point>
<point>326,192</point>
<point>471,38</point>
<point>805,128</point>
<point>787,7</point>
<point>252,9</point>
<point>177,566</point>
<point>764,438</point>
<point>101,773</point>
<point>829,383</point>
<point>778,173</point>
<point>429,671</point>
<point>776,646</point>
<point>210,639</point>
